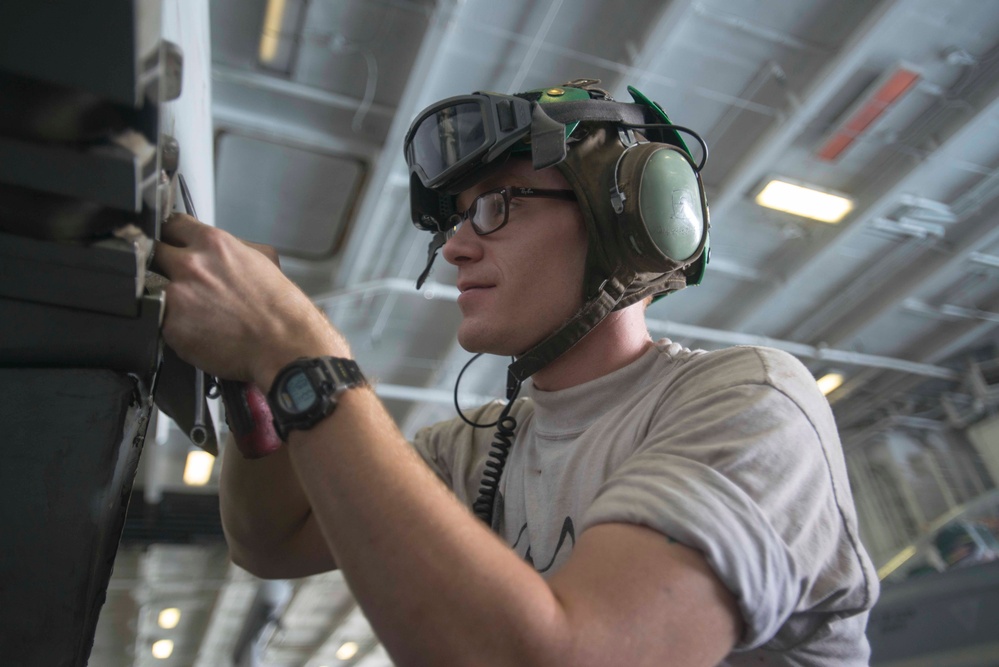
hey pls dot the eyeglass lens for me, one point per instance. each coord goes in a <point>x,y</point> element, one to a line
<point>487,213</point>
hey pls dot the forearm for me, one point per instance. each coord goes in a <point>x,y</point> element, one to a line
<point>266,516</point>
<point>438,587</point>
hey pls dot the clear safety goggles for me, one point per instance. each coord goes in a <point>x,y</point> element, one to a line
<point>453,137</point>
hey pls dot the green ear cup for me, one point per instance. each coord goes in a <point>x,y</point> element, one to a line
<point>662,210</point>
<point>670,204</point>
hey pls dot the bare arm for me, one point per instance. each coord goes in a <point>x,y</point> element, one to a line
<point>267,520</point>
<point>266,517</point>
<point>438,587</point>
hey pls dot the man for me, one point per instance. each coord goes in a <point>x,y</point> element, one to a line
<point>658,506</point>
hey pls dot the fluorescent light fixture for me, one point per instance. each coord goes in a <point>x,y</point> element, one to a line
<point>162,649</point>
<point>198,469</point>
<point>829,383</point>
<point>347,651</point>
<point>169,618</point>
<point>270,36</point>
<point>796,199</point>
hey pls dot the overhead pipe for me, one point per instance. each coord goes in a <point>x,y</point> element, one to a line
<point>430,291</point>
<point>400,392</point>
<point>273,84</point>
<point>985,234</point>
<point>934,348</point>
<point>858,437</point>
<point>802,350</point>
<point>758,30</point>
<point>450,293</point>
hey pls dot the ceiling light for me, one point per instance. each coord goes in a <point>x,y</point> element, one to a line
<point>347,651</point>
<point>270,36</point>
<point>198,469</point>
<point>808,202</point>
<point>280,34</point>
<point>162,649</point>
<point>169,618</point>
<point>829,383</point>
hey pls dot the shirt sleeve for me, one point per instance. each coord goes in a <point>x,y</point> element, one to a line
<point>734,465</point>
<point>456,452</point>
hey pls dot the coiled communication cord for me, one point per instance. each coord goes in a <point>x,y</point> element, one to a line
<point>498,453</point>
<point>489,486</point>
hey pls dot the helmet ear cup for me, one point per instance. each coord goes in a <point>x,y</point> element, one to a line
<point>661,208</point>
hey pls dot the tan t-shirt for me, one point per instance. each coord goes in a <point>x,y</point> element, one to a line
<point>733,453</point>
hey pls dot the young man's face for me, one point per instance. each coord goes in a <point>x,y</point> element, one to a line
<point>520,283</point>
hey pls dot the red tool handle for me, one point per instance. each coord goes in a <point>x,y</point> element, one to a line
<point>250,420</point>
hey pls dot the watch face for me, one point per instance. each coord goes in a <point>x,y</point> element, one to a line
<point>297,395</point>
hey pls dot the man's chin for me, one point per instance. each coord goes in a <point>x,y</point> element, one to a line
<point>478,342</point>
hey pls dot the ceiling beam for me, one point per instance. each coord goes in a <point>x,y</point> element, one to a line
<point>758,30</point>
<point>985,259</point>
<point>274,84</point>
<point>801,350</point>
<point>755,307</point>
<point>661,40</point>
<point>853,401</point>
<point>893,292</point>
<point>379,206</point>
<point>828,83</point>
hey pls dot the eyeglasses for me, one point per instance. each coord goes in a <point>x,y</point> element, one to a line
<point>490,211</point>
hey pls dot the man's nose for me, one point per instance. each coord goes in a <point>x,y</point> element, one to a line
<point>463,246</point>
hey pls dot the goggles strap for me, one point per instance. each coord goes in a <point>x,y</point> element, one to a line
<point>582,323</point>
<point>547,139</point>
<point>602,111</point>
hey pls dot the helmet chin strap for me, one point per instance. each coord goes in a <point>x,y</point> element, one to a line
<point>611,292</point>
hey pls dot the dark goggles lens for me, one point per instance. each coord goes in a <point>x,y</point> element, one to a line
<point>447,137</point>
<point>450,141</point>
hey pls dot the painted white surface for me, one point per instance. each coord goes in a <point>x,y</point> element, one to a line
<point>189,117</point>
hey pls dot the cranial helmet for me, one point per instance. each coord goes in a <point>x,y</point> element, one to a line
<point>636,183</point>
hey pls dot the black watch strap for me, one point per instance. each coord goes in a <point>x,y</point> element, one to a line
<point>345,372</point>
<point>328,376</point>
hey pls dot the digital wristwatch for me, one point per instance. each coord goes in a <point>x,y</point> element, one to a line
<point>305,391</point>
